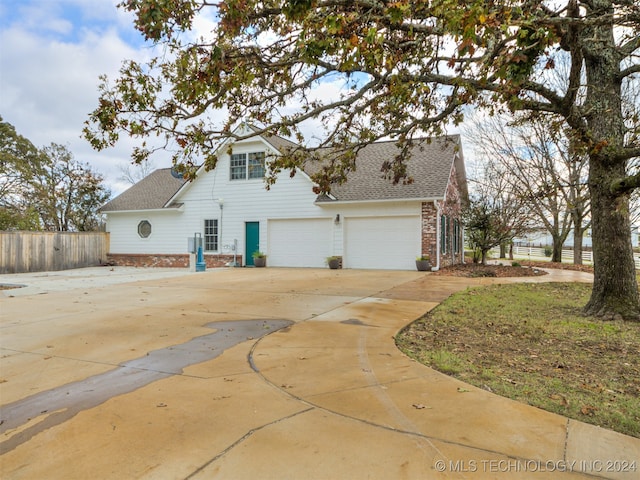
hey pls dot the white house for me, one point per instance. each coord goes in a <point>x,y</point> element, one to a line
<point>368,222</point>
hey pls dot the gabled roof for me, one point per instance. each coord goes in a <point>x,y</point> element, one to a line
<point>279,143</point>
<point>150,193</point>
<point>429,166</point>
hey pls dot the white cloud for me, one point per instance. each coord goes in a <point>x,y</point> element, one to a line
<point>52,55</point>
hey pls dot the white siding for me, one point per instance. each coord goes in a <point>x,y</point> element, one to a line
<point>166,234</point>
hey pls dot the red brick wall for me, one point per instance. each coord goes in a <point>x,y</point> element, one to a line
<point>452,207</point>
<point>452,202</point>
<point>429,231</point>
<point>166,260</point>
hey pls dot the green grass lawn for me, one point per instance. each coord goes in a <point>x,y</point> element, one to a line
<point>529,342</point>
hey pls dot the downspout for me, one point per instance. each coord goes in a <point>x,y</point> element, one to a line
<point>461,240</point>
<point>437,267</point>
<point>221,203</point>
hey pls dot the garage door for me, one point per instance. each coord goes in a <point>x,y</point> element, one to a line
<point>382,242</point>
<point>299,243</point>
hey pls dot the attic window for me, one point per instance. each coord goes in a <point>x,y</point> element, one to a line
<point>144,229</point>
<point>245,166</point>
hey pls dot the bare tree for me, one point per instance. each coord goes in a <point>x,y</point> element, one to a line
<point>631,106</point>
<point>540,167</point>
<point>133,173</point>
<point>494,215</point>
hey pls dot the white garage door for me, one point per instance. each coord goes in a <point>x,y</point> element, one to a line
<point>382,242</point>
<point>299,243</point>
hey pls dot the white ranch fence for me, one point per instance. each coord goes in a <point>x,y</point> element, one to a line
<point>537,254</point>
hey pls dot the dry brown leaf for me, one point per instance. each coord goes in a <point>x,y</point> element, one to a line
<point>588,410</point>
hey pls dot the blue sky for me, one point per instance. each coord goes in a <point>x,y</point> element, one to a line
<point>51,55</point>
<point>67,21</point>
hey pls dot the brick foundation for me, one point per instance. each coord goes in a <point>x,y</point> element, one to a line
<point>166,260</point>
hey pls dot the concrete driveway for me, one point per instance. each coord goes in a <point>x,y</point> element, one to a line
<point>260,374</point>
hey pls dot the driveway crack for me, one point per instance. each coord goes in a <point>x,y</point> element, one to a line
<point>244,437</point>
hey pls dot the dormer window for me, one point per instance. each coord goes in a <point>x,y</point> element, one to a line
<point>247,165</point>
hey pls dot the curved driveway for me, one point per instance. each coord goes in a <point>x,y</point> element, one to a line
<point>326,397</point>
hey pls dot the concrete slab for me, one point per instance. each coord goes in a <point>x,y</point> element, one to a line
<point>327,397</point>
<point>38,283</point>
<point>601,452</point>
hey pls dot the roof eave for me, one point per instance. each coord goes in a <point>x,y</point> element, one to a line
<point>148,210</point>
<point>461,172</point>
<point>381,200</point>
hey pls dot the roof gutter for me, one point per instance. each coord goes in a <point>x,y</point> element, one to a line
<point>380,200</point>
<point>147,210</point>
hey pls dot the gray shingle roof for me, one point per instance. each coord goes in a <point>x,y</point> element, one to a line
<point>429,166</point>
<point>152,192</point>
<point>280,144</point>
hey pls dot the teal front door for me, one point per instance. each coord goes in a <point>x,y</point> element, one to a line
<point>252,241</point>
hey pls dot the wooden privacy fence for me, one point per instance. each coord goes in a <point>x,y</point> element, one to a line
<point>22,252</point>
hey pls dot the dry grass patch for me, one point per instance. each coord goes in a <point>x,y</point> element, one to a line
<point>529,342</point>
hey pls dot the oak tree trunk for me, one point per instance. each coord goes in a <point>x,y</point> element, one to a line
<point>483,258</point>
<point>578,233</point>
<point>556,255</point>
<point>615,289</point>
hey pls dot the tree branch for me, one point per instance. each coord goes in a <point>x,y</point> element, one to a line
<point>629,71</point>
<point>631,46</point>
<point>625,185</point>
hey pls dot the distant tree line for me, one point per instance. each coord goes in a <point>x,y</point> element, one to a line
<point>46,188</point>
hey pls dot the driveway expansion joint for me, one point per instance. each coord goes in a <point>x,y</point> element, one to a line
<point>247,435</point>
